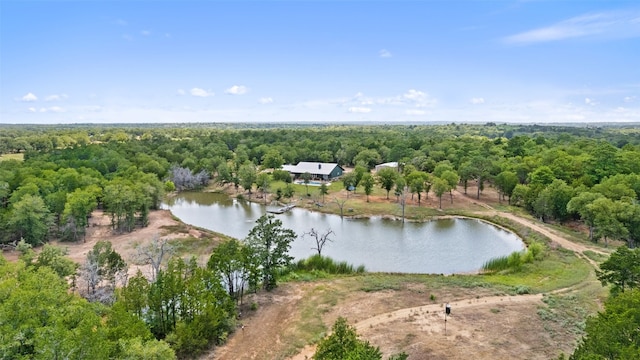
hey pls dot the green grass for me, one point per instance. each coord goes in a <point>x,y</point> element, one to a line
<point>192,246</point>
<point>19,157</point>
<point>326,264</point>
<point>565,314</point>
<point>597,257</point>
<point>310,329</point>
<point>559,269</point>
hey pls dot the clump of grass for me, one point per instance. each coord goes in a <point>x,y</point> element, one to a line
<point>516,259</point>
<point>499,263</point>
<point>327,265</point>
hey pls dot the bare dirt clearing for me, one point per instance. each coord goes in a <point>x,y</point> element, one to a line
<point>162,225</point>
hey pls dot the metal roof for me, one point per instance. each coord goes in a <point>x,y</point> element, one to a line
<point>310,167</point>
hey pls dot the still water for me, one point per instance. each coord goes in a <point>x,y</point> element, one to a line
<point>442,246</point>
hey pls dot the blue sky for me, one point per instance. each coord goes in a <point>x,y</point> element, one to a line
<point>339,61</point>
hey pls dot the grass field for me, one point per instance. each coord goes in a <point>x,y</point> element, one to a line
<point>19,157</point>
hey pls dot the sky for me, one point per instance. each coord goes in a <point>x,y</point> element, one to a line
<point>149,61</point>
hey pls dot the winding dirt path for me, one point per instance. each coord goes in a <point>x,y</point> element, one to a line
<point>436,311</point>
<point>429,313</point>
<point>557,238</point>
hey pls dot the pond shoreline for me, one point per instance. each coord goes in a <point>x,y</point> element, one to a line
<point>381,242</point>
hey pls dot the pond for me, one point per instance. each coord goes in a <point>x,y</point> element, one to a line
<point>443,246</point>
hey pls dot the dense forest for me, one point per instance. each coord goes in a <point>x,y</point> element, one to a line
<point>53,177</point>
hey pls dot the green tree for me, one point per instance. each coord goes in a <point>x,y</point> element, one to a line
<point>247,174</point>
<point>306,178</point>
<point>579,205</point>
<point>607,221</point>
<point>324,190</point>
<point>440,187</point>
<point>134,296</point>
<point>30,219</point>
<point>136,349</point>
<point>613,334</point>
<point>227,259</point>
<point>552,201</point>
<point>54,258</point>
<point>506,182</point>
<point>262,183</point>
<point>343,343</point>
<point>368,157</point>
<point>349,181</point>
<point>452,179</point>
<point>621,269</point>
<point>360,171</point>
<point>416,180</point>
<point>272,159</point>
<point>224,173</point>
<point>367,184</point>
<point>77,209</point>
<point>271,242</point>
<point>387,178</point>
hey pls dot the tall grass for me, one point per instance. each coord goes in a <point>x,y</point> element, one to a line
<point>327,265</point>
<point>516,259</point>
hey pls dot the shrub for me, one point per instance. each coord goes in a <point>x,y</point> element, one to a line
<point>514,260</point>
<point>536,249</point>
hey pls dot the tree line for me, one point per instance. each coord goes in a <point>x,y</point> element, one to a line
<point>555,173</point>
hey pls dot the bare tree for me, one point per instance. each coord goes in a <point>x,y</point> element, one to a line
<point>90,273</point>
<point>102,272</point>
<point>320,238</point>
<point>341,205</point>
<point>153,254</point>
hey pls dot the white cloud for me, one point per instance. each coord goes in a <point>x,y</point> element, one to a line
<point>477,101</point>
<point>359,110</point>
<point>127,37</point>
<point>56,97</point>
<point>201,92</point>
<point>30,97</point>
<point>265,100</point>
<point>384,53</point>
<point>417,98</point>
<point>589,101</point>
<point>414,112</point>
<point>53,109</point>
<point>629,99</point>
<point>56,109</point>
<point>236,90</point>
<point>32,109</point>
<point>121,22</point>
<point>609,25</point>
<point>181,92</point>
<point>145,32</point>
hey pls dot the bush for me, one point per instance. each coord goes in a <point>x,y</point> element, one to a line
<point>536,249</point>
<point>514,260</point>
<point>281,175</point>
